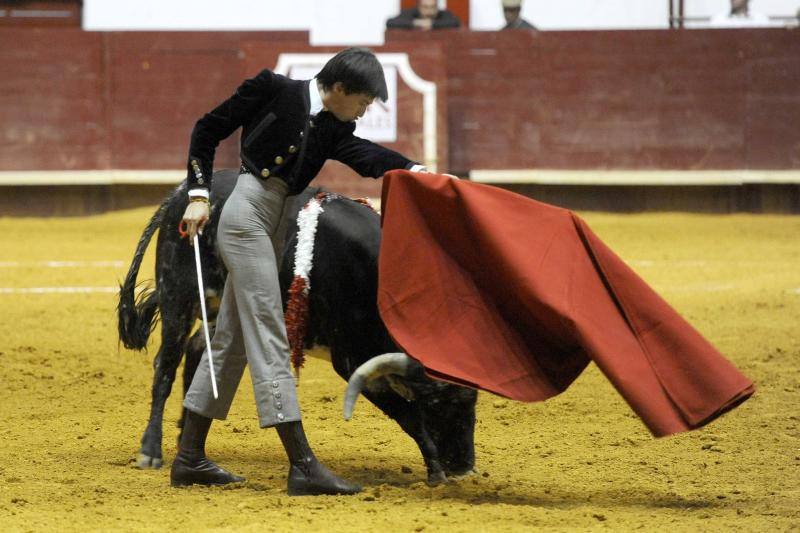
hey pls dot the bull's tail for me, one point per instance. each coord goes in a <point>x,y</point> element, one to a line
<point>138,314</point>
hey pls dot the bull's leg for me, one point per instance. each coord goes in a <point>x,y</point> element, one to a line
<point>410,419</point>
<point>194,353</point>
<point>174,330</point>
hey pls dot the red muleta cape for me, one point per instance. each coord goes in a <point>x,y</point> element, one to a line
<point>496,291</point>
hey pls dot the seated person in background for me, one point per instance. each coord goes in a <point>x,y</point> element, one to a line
<point>426,16</point>
<point>739,16</point>
<point>511,11</point>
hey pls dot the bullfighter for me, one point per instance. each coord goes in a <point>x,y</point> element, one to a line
<point>289,129</point>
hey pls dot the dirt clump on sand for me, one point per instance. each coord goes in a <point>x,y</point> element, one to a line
<point>75,405</point>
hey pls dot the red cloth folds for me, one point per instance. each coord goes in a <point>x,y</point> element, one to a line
<point>496,291</point>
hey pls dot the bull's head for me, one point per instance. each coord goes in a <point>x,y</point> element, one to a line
<point>447,411</point>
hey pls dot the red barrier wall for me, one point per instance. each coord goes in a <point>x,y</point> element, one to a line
<point>74,100</point>
<point>162,82</point>
<point>624,99</point>
<point>700,99</point>
<point>52,106</point>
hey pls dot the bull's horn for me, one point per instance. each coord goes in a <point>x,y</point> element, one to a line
<point>379,366</point>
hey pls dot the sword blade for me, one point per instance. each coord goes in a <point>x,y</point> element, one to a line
<point>205,317</point>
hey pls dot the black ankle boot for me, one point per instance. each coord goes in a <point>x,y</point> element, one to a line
<point>191,466</point>
<point>307,476</point>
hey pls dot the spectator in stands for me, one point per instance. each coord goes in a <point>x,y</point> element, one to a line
<point>514,21</point>
<point>426,16</point>
<point>740,16</point>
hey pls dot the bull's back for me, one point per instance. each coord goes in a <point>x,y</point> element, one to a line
<point>348,243</point>
<point>344,284</point>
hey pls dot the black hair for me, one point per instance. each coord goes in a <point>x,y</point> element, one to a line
<point>358,70</point>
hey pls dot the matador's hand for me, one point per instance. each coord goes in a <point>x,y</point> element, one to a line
<point>420,168</point>
<point>196,217</point>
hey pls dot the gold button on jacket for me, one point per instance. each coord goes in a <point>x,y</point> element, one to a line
<point>265,173</point>
<point>279,160</point>
<point>292,149</point>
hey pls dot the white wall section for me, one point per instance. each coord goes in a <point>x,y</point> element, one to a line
<point>189,15</point>
<point>345,22</point>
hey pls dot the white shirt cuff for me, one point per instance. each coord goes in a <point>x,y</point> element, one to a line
<point>196,193</point>
<point>418,168</point>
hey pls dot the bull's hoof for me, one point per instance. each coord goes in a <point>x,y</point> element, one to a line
<point>145,462</point>
<point>436,478</point>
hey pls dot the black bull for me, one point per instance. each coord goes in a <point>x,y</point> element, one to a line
<point>343,316</point>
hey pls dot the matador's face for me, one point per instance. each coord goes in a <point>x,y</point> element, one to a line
<point>346,107</point>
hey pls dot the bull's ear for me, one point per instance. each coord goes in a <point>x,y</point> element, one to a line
<point>401,388</point>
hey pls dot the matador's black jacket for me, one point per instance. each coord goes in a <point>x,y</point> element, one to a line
<point>280,137</point>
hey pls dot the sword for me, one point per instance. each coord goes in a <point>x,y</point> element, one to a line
<point>199,175</point>
<point>202,291</point>
<point>205,317</point>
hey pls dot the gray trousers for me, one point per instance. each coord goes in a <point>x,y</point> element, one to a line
<point>250,325</point>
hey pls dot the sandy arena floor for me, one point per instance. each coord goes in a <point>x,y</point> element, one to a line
<point>74,406</point>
